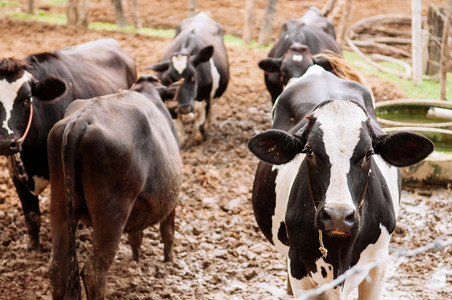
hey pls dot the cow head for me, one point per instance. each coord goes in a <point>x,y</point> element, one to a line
<point>183,66</point>
<point>18,90</point>
<point>293,64</point>
<point>338,143</point>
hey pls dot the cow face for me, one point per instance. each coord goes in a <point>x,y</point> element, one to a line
<point>338,143</point>
<point>18,90</point>
<point>183,67</point>
<point>293,64</point>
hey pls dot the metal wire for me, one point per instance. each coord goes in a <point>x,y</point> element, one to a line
<point>434,246</point>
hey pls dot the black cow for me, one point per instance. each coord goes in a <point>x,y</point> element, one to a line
<point>197,55</point>
<point>292,54</point>
<point>113,160</point>
<point>326,192</point>
<point>27,112</point>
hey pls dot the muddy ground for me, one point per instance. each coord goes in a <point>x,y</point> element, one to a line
<point>219,251</point>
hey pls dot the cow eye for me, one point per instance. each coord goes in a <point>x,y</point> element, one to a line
<point>307,150</point>
<point>369,153</point>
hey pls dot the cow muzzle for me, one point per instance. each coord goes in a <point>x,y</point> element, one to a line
<point>185,109</point>
<point>10,146</point>
<point>337,220</point>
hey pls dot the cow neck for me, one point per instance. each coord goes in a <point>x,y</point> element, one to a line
<point>30,118</point>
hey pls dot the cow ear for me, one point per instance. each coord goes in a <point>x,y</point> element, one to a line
<point>275,146</point>
<point>170,91</point>
<point>270,64</point>
<point>403,148</point>
<point>323,62</point>
<point>159,67</point>
<point>49,88</point>
<point>203,55</point>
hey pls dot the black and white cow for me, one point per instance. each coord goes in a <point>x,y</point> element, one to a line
<point>196,55</point>
<point>292,54</point>
<point>114,160</point>
<point>326,193</point>
<point>27,112</point>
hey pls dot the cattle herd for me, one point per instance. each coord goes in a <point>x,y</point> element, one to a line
<point>326,191</point>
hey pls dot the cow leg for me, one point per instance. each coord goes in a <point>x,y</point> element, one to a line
<point>30,207</point>
<point>104,247</point>
<point>180,130</point>
<point>372,286</point>
<point>200,120</point>
<point>63,267</point>
<point>289,287</point>
<point>135,239</point>
<point>167,232</point>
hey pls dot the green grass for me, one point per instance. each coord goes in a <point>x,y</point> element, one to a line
<point>428,89</point>
<point>42,16</point>
<point>54,2</point>
<point>4,3</point>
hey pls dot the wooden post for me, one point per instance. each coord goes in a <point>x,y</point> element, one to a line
<point>31,7</point>
<point>344,22</point>
<point>248,24</point>
<point>192,7</point>
<point>435,29</point>
<point>134,11</point>
<point>120,18</point>
<point>445,53</point>
<point>265,34</point>
<point>416,36</point>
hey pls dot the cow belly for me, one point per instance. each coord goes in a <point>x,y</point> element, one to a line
<point>147,212</point>
<point>215,78</point>
<point>40,184</point>
<point>284,181</point>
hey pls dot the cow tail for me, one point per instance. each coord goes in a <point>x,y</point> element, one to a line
<point>71,138</point>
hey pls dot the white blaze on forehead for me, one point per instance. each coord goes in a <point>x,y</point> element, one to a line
<point>341,123</point>
<point>297,57</point>
<point>8,93</point>
<point>179,62</point>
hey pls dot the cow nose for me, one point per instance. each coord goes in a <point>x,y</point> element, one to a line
<point>15,146</point>
<point>185,109</point>
<point>337,220</point>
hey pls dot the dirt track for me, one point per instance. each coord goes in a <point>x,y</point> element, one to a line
<point>219,251</point>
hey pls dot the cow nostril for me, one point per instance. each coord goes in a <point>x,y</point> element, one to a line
<point>350,218</point>
<point>15,146</point>
<point>325,216</point>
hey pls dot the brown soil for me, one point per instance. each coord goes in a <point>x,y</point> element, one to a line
<point>219,251</point>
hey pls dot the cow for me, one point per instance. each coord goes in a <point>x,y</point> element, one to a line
<point>197,57</point>
<point>299,40</point>
<point>34,94</point>
<point>114,163</point>
<point>327,187</point>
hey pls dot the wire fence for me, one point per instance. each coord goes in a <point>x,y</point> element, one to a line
<point>434,246</point>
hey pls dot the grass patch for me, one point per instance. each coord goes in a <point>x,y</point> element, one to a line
<point>428,89</point>
<point>55,2</point>
<point>4,3</point>
<point>233,40</point>
<point>42,16</point>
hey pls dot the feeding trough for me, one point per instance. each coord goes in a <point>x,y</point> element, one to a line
<point>431,118</point>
